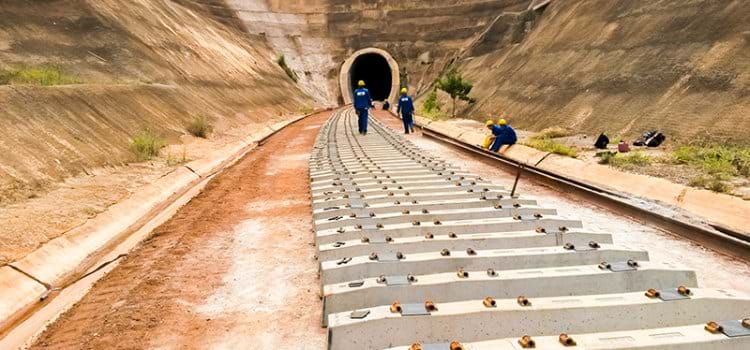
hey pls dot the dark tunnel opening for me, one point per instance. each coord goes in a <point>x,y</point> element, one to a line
<point>376,72</point>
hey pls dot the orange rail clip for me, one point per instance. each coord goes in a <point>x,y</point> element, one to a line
<point>396,307</point>
<point>713,327</point>
<point>526,342</point>
<point>489,302</point>
<point>566,340</point>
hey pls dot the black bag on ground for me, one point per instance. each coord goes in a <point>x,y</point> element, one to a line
<point>655,140</point>
<point>641,141</point>
<point>601,142</point>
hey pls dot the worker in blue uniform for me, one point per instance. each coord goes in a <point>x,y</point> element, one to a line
<point>362,102</point>
<point>406,110</point>
<point>504,135</point>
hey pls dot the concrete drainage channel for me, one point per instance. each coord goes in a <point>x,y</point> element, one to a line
<point>417,254</point>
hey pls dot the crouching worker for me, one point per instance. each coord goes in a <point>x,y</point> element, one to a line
<point>362,102</point>
<point>406,110</point>
<point>504,135</point>
<point>489,139</point>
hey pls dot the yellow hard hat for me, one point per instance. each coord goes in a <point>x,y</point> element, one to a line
<point>361,83</point>
<point>404,91</point>
<point>489,123</point>
<point>502,122</point>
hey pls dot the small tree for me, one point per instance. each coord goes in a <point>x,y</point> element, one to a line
<point>455,85</point>
<point>431,103</point>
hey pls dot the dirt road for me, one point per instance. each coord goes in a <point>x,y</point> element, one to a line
<point>235,268</point>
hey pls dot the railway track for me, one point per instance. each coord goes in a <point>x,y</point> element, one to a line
<point>418,254</point>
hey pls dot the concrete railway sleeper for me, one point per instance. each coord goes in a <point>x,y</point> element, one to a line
<point>436,243</point>
<point>416,253</point>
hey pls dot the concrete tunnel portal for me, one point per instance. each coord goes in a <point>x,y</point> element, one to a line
<point>377,68</point>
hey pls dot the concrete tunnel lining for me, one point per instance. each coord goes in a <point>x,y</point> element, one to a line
<point>377,68</point>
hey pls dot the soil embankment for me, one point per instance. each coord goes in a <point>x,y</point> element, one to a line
<point>621,67</point>
<point>141,64</point>
<point>135,65</point>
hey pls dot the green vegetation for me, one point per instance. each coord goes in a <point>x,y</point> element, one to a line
<point>721,160</point>
<point>455,85</point>
<point>432,108</point>
<point>174,160</point>
<point>718,164</point>
<point>44,76</point>
<point>623,160</point>
<point>146,145</point>
<point>289,72</point>
<point>552,133</point>
<point>431,103</point>
<point>90,211</point>
<point>712,183</point>
<point>199,127</point>
<point>549,145</point>
<point>543,141</point>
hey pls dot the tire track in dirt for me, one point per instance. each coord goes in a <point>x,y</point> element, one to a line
<point>234,268</point>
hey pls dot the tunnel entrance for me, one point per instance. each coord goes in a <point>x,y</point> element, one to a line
<point>377,68</point>
<point>375,71</point>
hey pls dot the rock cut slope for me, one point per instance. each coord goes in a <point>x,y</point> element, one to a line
<point>141,64</point>
<point>621,67</point>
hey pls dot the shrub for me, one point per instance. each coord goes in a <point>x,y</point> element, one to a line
<point>630,160</point>
<point>44,76</point>
<point>549,145</point>
<point>289,72</point>
<point>712,183</point>
<point>200,127</point>
<point>721,160</point>
<point>552,133</point>
<point>431,104</point>
<point>146,145</point>
<point>173,160</point>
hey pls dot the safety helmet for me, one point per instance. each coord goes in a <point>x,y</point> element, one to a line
<point>489,123</point>
<point>361,83</point>
<point>502,122</point>
<point>404,91</point>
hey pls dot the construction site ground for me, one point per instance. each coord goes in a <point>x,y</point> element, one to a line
<point>236,266</point>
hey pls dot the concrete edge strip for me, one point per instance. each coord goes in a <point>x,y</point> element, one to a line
<point>15,307</point>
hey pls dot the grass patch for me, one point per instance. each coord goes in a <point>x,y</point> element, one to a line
<point>307,110</point>
<point>717,163</point>
<point>722,161</point>
<point>43,76</point>
<point>434,114</point>
<point>629,160</point>
<point>713,183</point>
<point>550,145</point>
<point>200,127</point>
<point>146,145</point>
<point>289,72</point>
<point>173,160</point>
<point>90,212</point>
<point>552,133</point>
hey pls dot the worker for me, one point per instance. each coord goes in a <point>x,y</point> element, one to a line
<point>406,110</point>
<point>362,102</point>
<point>489,139</point>
<point>504,135</point>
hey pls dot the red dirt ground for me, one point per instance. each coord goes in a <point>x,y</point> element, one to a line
<point>235,268</point>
